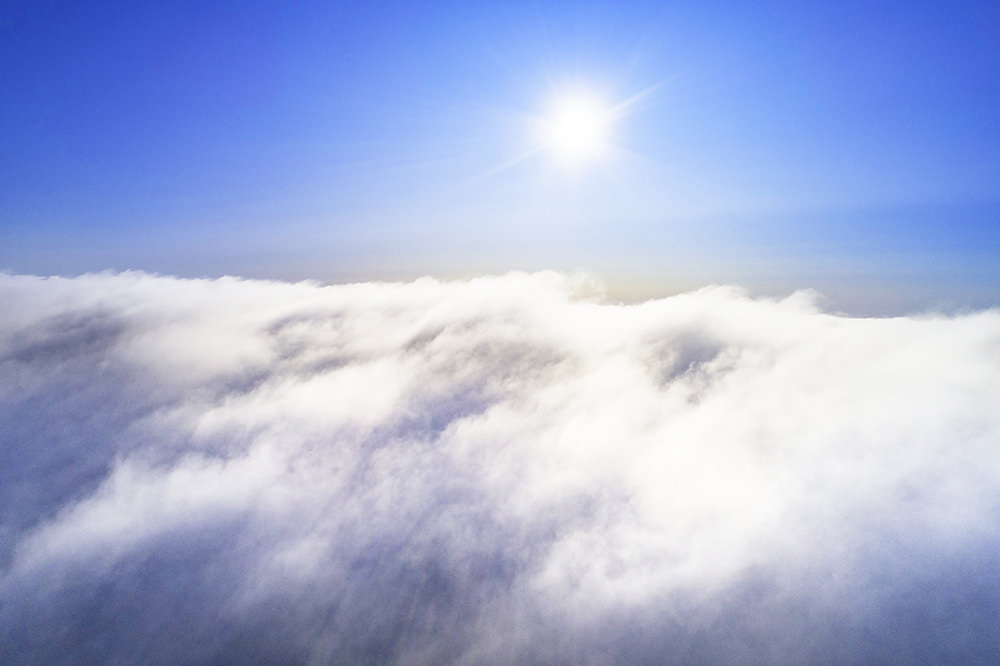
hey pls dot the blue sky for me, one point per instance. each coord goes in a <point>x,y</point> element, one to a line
<point>848,147</point>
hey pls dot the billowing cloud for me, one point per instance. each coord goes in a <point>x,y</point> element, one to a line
<point>504,470</point>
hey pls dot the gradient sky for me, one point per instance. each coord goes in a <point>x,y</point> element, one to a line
<point>850,147</point>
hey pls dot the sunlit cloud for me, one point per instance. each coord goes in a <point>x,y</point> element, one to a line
<point>501,470</point>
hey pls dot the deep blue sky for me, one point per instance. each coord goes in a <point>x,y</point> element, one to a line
<point>852,147</point>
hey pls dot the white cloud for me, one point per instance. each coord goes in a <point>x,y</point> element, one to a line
<point>503,470</point>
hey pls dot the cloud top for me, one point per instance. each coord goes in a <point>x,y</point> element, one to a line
<point>502,470</point>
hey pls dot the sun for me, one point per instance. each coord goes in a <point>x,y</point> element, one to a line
<point>576,129</point>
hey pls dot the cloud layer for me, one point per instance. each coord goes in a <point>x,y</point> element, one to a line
<point>504,470</point>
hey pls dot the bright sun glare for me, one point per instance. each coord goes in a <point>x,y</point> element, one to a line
<point>576,129</point>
